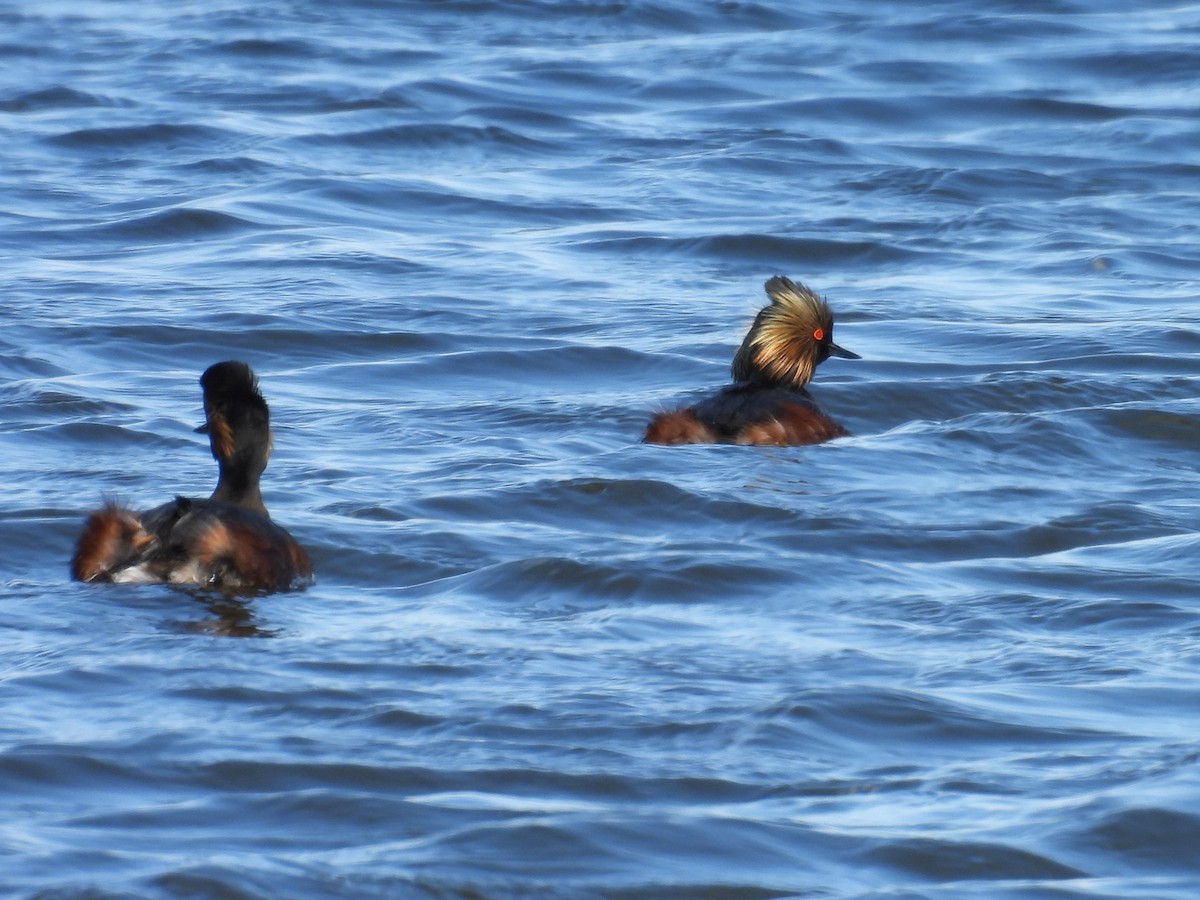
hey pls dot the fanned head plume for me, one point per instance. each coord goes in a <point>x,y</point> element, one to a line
<point>788,339</point>
<point>236,417</point>
<point>238,425</point>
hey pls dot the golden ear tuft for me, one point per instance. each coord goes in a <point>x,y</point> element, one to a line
<point>220,435</point>
<point>785,342</point>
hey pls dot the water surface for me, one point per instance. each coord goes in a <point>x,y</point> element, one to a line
<point>469,247</point>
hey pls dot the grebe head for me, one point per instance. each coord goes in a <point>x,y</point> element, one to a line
<point>788,339</point>
<point>238,425</point>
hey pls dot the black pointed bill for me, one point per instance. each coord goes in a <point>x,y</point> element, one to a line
<point>835,350</point>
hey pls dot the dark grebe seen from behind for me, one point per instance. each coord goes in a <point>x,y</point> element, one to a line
<point>768,403</point>
<point>226,542</point>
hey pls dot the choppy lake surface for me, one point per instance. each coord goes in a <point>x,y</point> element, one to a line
<point>470,247</point>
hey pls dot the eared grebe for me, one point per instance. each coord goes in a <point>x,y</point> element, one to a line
<point>767,403</point>
<point>227,542</point>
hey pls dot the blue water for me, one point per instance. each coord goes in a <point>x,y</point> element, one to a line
<point>470,247</point>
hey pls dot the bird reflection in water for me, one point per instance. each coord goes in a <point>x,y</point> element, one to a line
<point>224,616</point>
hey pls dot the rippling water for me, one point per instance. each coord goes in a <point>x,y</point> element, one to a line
<point>470,247</point>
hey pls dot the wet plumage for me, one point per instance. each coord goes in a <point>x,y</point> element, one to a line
<point>768,403</point>
<point>227,541</point>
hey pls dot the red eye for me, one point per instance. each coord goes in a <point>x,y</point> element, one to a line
<point>819,334</point>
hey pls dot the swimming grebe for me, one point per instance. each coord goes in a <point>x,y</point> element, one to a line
<point>227,542</point>
<point>767,403</point>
